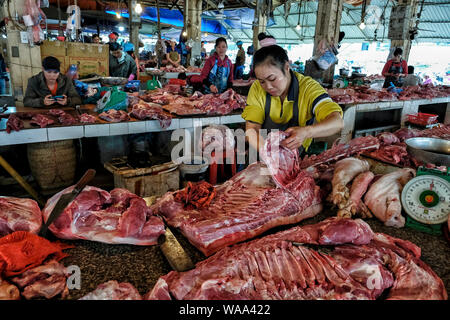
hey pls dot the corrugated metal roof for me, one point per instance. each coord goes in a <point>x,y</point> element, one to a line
<point>434,23</point>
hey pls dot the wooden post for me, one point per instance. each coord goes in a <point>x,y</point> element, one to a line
<point>134,24</point>
<point>328,25</point>
<point>23,59</point>
<point>400,23</point>
<point>260,21</point>
<point>192,25</point>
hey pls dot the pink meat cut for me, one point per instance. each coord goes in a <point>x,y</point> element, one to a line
<point>383,197</point>
<point>47,280</point>
<point>113,290</point>
<point>19,214</point>
<point>116,217</point>
<point>244,206</point>
<point>344,172</point>
<point>14,123</point>
<point>298,264</point>
<point>354,204</point>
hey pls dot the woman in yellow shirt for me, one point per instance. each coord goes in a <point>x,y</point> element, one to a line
<point>288,101</point>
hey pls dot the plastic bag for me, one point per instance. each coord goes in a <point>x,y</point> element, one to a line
<point>113,99</point>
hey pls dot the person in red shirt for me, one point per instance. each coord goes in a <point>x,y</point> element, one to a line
<point>217,73</point>
<point>395,70</point>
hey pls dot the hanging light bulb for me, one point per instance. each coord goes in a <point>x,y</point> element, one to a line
<point>138,8</point>
<point>121,28</point>
<point>206,34</point>
<point>362,26</point>
<point>184,33</point>
<point>298,27</point>
<point>118,16</point>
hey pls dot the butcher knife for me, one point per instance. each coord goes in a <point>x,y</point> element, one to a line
<point>65,199</point>
<point>174,252</point>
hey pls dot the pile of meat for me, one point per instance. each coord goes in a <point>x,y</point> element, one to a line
<point>149,111</point>
<point>14,123</point>
<point>30,267</point>
<point>116,217</point>
<point>357,191</point>
<point>113,115</point>
<point>19,214</point>
<point>364,94</point>
<point>393,148</point>
<point>337,258</point>
<point>243,207</point>
<point>171,68</point>
<point>63,117</point>
<point>198,103</point>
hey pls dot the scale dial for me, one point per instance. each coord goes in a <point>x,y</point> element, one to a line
<point>426,198</point>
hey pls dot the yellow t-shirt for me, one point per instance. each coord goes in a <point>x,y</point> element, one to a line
<point>313,98</point>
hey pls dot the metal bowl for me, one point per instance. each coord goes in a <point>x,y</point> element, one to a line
<point>430,150</point>
<point>113,81</point>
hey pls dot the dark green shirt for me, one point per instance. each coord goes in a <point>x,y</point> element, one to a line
<point>37,90</point>
<point>123,69</point>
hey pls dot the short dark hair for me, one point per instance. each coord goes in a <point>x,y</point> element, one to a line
<point>261,36</point>
<point>219,40</point>
<point>51,63</point>
<point>114,46</point>
<point>410,70</point>
<point>398,52</point>
<point>114,32</point>
<point>95,35</point>
<point>273,55</point>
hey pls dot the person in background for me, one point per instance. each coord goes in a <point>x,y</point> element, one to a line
<point>172,55</point>
<point>395,69</point>
<point>411,79</point>
<point>285,100</point>
<point>50,88</point>
<point>203,51</point>
<point>121,64</point>
<point>240,62</point>
<point>160,51</point>
<point>113,36</point>
<point>129,48</point>
<point>217,73</point>
<point>96,39</point>
<point>182,50</point>
<point>266,40</point>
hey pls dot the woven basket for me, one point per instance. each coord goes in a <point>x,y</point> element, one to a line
<point>52,164</point>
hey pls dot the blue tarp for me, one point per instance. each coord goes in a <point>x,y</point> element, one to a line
<point>239,19</point>
<point>175,18</point>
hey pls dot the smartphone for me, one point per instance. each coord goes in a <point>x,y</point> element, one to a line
<point>57,97</point>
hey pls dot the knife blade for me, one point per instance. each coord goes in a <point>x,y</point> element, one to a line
<point>65,199</point>
<point>178,259</point>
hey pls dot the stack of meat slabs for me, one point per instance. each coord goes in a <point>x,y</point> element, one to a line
<point>244,206</point>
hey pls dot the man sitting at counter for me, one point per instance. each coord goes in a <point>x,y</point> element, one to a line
<point>50,88</point>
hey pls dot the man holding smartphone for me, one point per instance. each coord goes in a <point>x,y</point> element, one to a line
<point>50,88</point>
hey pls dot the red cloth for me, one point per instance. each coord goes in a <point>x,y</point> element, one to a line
<point>388,65</point>
<point>22,250</point>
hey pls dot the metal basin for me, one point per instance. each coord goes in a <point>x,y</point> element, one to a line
<point>430,150</point>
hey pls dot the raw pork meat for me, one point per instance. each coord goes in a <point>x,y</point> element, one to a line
<point>8,291</point>
<point>116,217</point>
<point>388,138</point>
<point>113,290</point>
<point>14,123</point>
<point>244,206</point>
<point>145,110</point>
<point>47,280</point>
<point>19,214</point>
<point>66,119</point>
<point>113,115</point>
<point>343,150</point>
<point>344,172</point>
<point>56,112</point>
<point>41,120</point>
<point>383,197</point>
<point>298,264</point>
<point>354,204</point>
<point>87,118</point>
